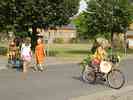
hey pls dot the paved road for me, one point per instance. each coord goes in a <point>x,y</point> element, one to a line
<point>59,82</point>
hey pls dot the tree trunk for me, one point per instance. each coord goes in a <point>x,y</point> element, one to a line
<point>34,37</point>
<point>34,30</point>
<point>125,44</point>
<point>112,42</point>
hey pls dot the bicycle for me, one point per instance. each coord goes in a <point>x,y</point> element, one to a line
<point>106,72</point>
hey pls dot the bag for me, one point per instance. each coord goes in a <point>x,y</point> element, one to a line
<point>96,61</point>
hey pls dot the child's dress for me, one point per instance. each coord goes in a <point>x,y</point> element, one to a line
<point>39,54</point>
<point>26,53</point>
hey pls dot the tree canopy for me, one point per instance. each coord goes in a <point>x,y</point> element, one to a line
<point>104,17</point>
<point>21,14</point>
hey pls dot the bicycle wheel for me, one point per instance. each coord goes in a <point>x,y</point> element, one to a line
<point>115,79</point>
<point>89,76</point>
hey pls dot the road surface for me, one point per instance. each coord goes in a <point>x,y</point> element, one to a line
<point>59,82</point>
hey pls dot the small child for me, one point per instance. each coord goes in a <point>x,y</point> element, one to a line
<point>26,55</point>
<point>40,54</point>
<point>12,50</point>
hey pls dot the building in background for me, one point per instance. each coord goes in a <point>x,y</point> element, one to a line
<point>66,33</point>
<point>130,36</point>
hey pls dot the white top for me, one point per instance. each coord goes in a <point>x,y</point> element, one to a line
<point>26,52</point>
<point>23,45</point>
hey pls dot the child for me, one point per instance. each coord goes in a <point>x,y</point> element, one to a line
<point>12,50</point>
<point>40,54</point>
<point>26,55</point>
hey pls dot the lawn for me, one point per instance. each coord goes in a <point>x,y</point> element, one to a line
<point>3,44</point>
<point>3,48</point>
<point>76,51</point>
<point>70,51</point>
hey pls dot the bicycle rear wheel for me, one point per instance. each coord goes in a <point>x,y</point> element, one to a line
<point>115,79</point>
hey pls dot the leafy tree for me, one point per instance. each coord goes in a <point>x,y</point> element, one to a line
<point>82,29</point>
<point>22,14</point>
<point>6,14</point>
<point>106,17</point>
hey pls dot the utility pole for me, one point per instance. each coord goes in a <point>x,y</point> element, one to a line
<point>125,42</point>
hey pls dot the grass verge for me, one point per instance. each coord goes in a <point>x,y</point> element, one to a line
<point>76,51</point>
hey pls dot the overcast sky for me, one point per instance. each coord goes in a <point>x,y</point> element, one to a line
<point>83,6</point>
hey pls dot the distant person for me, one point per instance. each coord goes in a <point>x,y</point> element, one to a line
<point>40,54</point>
<point>12,50</point>
<point>26,55</point>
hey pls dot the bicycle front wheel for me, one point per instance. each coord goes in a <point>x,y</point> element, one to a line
<point>115,79</point>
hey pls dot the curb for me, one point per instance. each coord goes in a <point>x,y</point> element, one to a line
<point>109,94</point>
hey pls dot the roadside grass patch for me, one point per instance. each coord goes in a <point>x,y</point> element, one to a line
<point>69,50</point>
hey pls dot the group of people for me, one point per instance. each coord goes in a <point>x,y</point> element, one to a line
<point>23,53</point>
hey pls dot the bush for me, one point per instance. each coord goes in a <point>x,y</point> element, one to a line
<point>3,50</point>
<point>59,40</point>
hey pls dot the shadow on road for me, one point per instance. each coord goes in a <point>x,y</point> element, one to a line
<point>98,81</point>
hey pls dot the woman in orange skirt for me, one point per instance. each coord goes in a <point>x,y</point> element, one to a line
<point>40,54</point>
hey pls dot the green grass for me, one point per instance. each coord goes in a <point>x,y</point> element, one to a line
<point>3,44</point>
<point>3,48</point>
<point>76,51</point>
<point>121,51</point>
<point>73,51</point>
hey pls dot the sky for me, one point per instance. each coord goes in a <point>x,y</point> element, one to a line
<point>83,6</point>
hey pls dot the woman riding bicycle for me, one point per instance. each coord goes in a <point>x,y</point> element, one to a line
<point>99,55</point>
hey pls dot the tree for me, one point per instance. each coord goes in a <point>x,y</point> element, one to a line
<point>106,17</point>
<point>22,14</point>
<point>6,14</point>
<point>82,29</point>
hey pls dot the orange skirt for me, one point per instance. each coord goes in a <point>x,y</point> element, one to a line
<point>40,60</point>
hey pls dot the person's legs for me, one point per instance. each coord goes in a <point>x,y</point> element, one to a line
<point>17,64</point>
<point>40,64</point>
<point>25,68</point>
<point>40,67</point>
